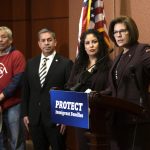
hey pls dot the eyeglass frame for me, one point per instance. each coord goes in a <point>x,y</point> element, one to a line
<point>122,32</point>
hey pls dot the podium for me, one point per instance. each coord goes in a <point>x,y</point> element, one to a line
<point>99,134</point>
<point>100,106</point>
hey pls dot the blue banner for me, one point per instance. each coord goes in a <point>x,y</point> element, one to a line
<point>69,108</point>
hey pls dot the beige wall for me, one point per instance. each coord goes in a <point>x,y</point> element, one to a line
<point>138,10</point>
<point>74,15</point>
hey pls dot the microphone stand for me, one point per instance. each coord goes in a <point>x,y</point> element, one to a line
<point>88,74</point>
<point>98,61</point>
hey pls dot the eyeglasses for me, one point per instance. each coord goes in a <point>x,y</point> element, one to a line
<point>122,32</point>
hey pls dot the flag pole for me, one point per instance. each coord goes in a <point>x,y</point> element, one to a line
<point>114,15</point>
<point>114,9</point>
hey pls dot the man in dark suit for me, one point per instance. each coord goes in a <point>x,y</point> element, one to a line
<point>36,100</point>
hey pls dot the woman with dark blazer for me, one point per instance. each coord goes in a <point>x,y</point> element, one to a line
<point>90,59</point>
<point>129,79</point>
<point>91,69</point>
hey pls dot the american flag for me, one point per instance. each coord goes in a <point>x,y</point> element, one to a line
<point>93,16</point>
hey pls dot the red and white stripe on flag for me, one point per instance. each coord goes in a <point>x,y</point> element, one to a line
<point>93,17</point>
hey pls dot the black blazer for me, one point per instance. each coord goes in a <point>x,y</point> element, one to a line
<point>36,100</point>
<point>98,81</point>
<point>136,67</point>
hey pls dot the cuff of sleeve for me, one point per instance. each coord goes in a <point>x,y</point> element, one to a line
<point>88,91</point>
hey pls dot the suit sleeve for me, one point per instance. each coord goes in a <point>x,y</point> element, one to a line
<point>25,94</point>
<point>68,70</point>
<point>146,61</point>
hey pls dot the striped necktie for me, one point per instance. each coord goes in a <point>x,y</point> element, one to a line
<point>43,71</point>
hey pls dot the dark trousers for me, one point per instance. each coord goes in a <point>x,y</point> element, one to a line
<point>132,137</point>
<point>82,140</point>
<point>44,136</point>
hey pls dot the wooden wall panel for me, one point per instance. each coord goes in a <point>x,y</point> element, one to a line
<point>60,27</point>
<point>74,16</point>
<point>26,17</point>
<point>50,8</point>
<point>5,10</point>
<point>21,37</point>
<point>53,15</point>
<point>19,9</point>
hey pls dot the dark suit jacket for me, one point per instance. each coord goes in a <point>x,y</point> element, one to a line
<point>36,100</point>
<point>137,66</point>
<point>96,82</point>
<point>133,84</point>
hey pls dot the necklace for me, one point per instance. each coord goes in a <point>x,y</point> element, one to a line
<point>117,66</point>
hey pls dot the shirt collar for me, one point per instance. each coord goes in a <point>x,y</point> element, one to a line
<point>7,50</point>
<point>50,57</point>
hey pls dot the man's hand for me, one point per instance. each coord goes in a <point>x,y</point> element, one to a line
<point>26,122</point>
<point>2,96</point>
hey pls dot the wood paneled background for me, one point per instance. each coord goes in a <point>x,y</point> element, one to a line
<point>27,17</point>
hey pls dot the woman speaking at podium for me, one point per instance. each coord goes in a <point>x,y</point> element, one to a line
<point>91,69</point>
<point>129,80</point>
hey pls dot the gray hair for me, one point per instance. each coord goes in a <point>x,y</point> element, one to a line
<point>44,30</point>
<point>7,30</point>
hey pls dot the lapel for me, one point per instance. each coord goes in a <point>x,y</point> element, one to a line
<point>128,59</point>
<point>52,68</point>
<point>36,68</point>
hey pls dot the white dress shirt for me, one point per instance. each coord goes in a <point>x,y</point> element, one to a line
<point>48,62</point>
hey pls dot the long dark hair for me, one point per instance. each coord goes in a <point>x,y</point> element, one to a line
<point>83,58</point>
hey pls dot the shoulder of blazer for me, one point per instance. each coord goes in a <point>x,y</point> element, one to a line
<point>61,58</point>
<point>34,59</point>
<point>143,46</point>
<point>139,47</point>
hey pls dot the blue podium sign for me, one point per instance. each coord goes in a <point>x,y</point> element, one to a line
<point>69,108</point>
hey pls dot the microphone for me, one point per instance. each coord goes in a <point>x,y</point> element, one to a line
<point>76,87</point>
<point>86,74</point>
<point>98,61</point>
